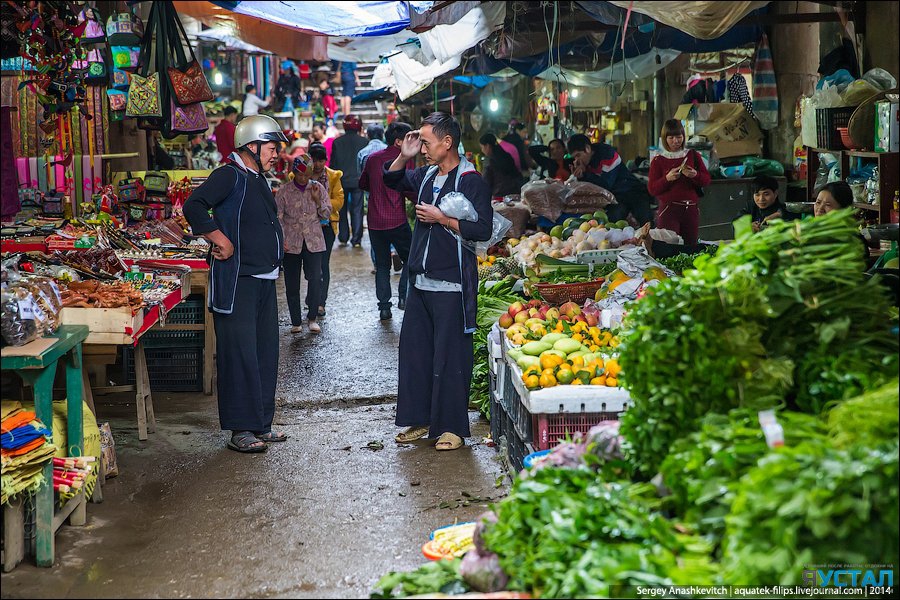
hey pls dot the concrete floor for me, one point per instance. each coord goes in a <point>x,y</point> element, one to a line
<point>320,516</point>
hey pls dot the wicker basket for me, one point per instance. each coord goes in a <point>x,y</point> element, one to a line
<point>559,293</point>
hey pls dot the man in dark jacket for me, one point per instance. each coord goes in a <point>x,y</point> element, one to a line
<point>436,354</point>
<point>248,247</point>
<point>601,165</point>
<point>344,151</point>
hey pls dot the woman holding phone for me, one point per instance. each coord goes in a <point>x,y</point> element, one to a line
<point>677,178</point>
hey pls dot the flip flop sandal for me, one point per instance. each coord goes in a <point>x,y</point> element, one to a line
<point>246,442</point>
<point>411,434</point>
<point>271,437</point>
<point>449,441</point>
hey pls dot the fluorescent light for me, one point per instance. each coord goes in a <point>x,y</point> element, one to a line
<point>494,105</point>
<point>217,78</point>
<point>575,92</point>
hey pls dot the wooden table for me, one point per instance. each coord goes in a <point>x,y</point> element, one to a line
<point>36,364</point>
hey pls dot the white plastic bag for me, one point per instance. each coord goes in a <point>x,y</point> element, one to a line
<point>455,205</point>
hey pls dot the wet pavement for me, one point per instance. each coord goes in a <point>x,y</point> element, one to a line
<point>322,515</point>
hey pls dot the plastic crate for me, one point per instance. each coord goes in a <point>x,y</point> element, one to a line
<point>173,339</point>
<point>192,311</point>
<point>551,429</point>
<point>169,369</point>
<point>827,122</point>
<point>516,448</point>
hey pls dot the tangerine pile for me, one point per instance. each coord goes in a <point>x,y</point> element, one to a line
<point>554,370</point>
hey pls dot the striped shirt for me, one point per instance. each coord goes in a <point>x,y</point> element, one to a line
<point>387,207</point>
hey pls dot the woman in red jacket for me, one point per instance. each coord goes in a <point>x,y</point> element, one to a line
<point>677,177</point>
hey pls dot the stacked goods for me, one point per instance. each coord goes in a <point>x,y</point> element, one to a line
<point>785,315</point>
<point>591,231</point>
<point>26,448</point>
<point>71,473</point>
<point>583,196</point>
<point>96,294</point>
<point>30,307</point>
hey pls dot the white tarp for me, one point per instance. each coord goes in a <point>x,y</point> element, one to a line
<point>705,20</point>
<point>442,48</point>
<point>227,37</point>
<point>367,49</point>
<point>637,67</point>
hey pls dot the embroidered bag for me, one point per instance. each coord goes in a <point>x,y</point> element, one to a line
<point>189,84</point>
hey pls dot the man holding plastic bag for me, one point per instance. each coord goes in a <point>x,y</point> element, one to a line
<point>436,354</point>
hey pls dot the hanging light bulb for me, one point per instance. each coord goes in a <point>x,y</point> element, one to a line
<point>575,92</point>
<point>217,78</point>
<point>494,105</point>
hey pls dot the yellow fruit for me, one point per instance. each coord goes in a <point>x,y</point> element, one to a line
<point>548,361</point>
<point>614,343</point>
<point>577,382</point>
<point>547,380</point>
<point>548,371</point>
<point>593,347</point>
<point>612,367</point>
<point>612,382</point>
<point>565,376</point>
<point>598,380</point>
<point>532,382</point>
<point>577,361</point>
<point>533,370</point>
<point>578,337</point>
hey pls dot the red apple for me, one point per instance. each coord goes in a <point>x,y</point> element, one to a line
<point>534,303</point>
<point>521,316</point>
<point>506,320</point>
<point>552,313</point>
<point>533,312</point>
<point>580,318</point>
<point>571,309</point>
<point>542,313</point>
<point>592,319</point>
<point>566,318</point>
<point>516,307</point>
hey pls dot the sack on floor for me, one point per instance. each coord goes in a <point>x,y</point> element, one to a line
<point>108,451</point>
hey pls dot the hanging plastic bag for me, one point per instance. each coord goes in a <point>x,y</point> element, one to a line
<point>456,206</point>
<point>880,79</point>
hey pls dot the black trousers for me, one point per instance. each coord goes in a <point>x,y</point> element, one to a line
<point>436,361</point>
<point>328,232</point>
<point>311,265</point>
<point>352,216</point>
<point>247,357</point>
<point>401,238</point>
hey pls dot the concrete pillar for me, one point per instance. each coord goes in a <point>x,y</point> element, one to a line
<point>795,54</point>
<point>881,46</point>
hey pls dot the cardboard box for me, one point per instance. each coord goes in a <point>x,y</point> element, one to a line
<point>729,126</point>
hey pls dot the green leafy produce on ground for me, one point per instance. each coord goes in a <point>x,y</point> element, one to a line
<point>564,533</point>
<point>813,504</point>
<point>703,469</point>
<point>492,302</point>
<point>436,576</point>
<point>786,315</point>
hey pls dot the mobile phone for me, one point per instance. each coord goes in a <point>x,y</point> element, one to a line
<point>684,162</point>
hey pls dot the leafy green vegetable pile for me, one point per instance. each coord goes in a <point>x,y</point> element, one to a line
<point>492,302</point>
<point>564,533</point>
<point>784,315</point>
<point>438,576</point>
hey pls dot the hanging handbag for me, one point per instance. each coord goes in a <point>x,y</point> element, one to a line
<point>126,57</point>
<point>144,98</point>
<point>118,100</point>
<point>189,84</point>
<point>93,66</point>
<point>188,118</point>
<point>156,183</point>
<point>124,28</point>
<point>120,79</point>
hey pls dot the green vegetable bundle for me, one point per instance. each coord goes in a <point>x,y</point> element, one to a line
<point>786,315</point>
<point>703,469</point>
<point>436,576</point>
<point>564,533</point>
<point>813,504</point>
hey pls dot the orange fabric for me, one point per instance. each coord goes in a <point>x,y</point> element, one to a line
<point>36,443</point>
<point>23,418</point>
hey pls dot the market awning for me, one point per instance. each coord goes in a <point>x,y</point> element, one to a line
<point>224,35</point>
<point>330,17</point>
<point>630,69</point>
<point>703,19</point>
<point>279,39</point>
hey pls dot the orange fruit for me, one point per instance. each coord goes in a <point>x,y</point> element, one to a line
<point>612,367</point>
<point>612,382</point>
<point>548,361</point>
<point>577,382</point>
<point>547,380</point>
<point>577,337</point>
<point>532,382</point>
<point>593,347</point>
<point>598,380</point>
<point>577,361</point>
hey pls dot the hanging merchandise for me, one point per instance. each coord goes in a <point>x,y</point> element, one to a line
<point>93,67</point>
<point>126,57</point>
<point>765,89</point>
<point>189,84</point>
<point>120,79</point>
<point>93,30</point>
<point>124,28</point>
<point>739,93</point>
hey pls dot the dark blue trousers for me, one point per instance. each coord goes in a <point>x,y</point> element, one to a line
<point>436,361</point>
<point>247,357</point>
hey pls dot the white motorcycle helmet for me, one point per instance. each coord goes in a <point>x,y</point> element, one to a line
<point>254,131</point>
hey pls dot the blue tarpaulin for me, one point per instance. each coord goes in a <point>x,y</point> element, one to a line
<point>344,19</point>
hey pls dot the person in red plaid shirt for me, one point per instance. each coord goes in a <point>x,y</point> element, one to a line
<point>387,221</point>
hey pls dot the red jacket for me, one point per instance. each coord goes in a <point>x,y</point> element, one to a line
<point>224,133</point>
<point>682,189</point>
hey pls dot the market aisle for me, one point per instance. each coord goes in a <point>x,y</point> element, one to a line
<point>319,516</point>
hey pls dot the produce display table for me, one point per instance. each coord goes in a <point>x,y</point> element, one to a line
<point>36,364</point>
<point>112,327</point>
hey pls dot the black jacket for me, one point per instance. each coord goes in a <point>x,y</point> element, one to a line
<point>343,158</point>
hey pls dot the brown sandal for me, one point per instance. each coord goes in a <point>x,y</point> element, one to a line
<point>449,441</point>
<point>412,434</point>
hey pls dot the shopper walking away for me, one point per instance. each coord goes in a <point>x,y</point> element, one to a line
<point>500,172</point>
<point>601,165</point>
<point>436,354</point>
<point>248,249</point>
<point>677,178</point>
<point>252,102</point>
<point>303,208</point>
<point>375,135</point>
<point>344,151</point>
<point>287,89</point>
<point>224,133</point>
<point>331,180</point>
<point>388,225</point>
<point>349,83</point>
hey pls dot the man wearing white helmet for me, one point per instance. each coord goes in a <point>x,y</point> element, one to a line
<point>248,248</point>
